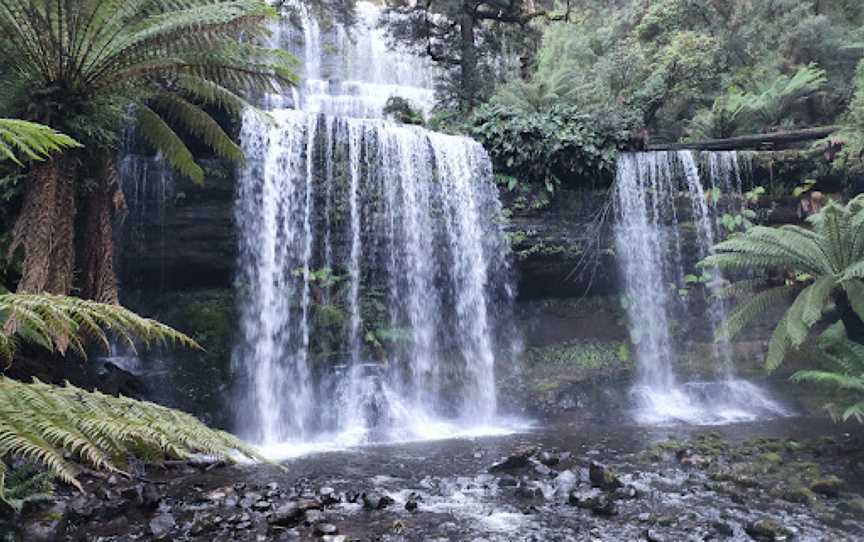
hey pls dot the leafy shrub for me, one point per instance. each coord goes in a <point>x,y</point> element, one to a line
<point>554,147</point>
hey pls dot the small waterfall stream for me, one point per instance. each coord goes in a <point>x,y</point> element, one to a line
<point>665,222</point>
<point>372,269</point>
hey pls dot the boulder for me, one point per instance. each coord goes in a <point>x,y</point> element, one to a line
<point>162,525</point>
<point>829,487</point>
<point>603,477</point>
<point>767,530</point>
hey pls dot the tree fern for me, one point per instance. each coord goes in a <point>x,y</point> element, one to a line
<point>826,260</point>
<point>54,426</point>
<point>60,323</point>
<point>91,68</point>
<point>844,370</point>
<point>33,141</point>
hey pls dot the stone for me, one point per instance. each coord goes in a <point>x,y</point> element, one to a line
<point>326,529</point>
<point>830,487</point>
<point>328,496</point>
<point>312,517</point>
<point>508,481</point>
<point>519,459</point>
<point>291,513</point>
<point>603,477</point>
<point>161,525</point>
<point>585,498</point>
<point>261,506</point>
<point>549,459</point>
<point>652,535</point>
<point>767,530</point>
<point>46,525</point>
<point>374,501</point>
<point>529,492</point>
<point>411,505</point>
<point>723,529</point>
<point>81,507</point>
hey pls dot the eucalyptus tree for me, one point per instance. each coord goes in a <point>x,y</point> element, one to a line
<point>92,68</point>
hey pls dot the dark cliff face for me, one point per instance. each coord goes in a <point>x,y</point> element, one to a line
<point>177,235</point>
<point>182,236</point>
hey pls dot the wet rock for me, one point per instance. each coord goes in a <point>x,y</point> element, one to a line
<point>326,529</point>
<point>331,538</point>
<point>603,477</point>
<point>605,506</point>
<point>529,492</point>
<point>829,487</point>
<point>261,506</point>
<point>290,514</point>
<point>311,517</point>
<point>644,517</point>
<point>723,529</point>
<point>46,525</point>
<point>411,505</point>
<point>82,508</point>
<point>653,535</point>
<point>375,501</point>
<point>204,523</point>
<point>585,498</point>
<point>798,494</point>
<point>328,496</point>
<point>543,470</point>
<point>767,530</point>
<point>508,481</point>
<point>854,506</point>
<point>519,459</point>
<point>161,526</point>
<point>549,459</point>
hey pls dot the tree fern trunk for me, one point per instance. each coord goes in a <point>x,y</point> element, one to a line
<point>45,229</point>
<point>851,321</point>
<point>100,280</point>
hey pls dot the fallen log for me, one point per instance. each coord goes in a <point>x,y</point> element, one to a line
<point>760,142</point>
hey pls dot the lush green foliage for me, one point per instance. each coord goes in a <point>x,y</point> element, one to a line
<point>820,267</point>
<point>42,424</point>
<point>19,138</point>
<point>844,370</point>
<point>82,66</point>
<point>555,146</point>
<point>60,323</point>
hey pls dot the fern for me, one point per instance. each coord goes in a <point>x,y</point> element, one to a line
<point>829,255</point>
<point>61,323</point>
<point>846,358</point>
<point>33,141</point>
<point>155,56</point>
<point>44,424</point>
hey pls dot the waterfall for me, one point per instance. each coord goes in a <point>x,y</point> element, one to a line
<point>656,193</point>
<point>373,273</point>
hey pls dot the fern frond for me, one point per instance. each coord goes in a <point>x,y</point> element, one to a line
<point>200,124</point>
<point>165,140</point>
<point>57,323</point>
<point>42,423</point>
<point>30,140</point>
<point>855,293</point>
<point>756,305</point>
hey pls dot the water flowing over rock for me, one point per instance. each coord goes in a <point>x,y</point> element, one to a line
<point>380,236</point>
<point>656,193</point>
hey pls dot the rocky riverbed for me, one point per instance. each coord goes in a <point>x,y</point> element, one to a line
<point>784,479</point>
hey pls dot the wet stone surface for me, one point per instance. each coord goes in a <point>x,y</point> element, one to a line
<point>780,480</point>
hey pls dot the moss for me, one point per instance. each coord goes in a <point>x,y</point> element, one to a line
<point>797,494</point>
<point>771,457</point>
<point>583,355</point>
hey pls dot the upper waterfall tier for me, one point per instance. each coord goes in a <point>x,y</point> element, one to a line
<point>351,72</point>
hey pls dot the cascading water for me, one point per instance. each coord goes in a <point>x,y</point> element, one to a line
<point>372,267</point>
<point>653,193</point>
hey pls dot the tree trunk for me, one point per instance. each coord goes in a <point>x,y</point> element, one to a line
<point>103,202</point>
<point>851,321</point>
<point>45,229</point>
<point>468,60</point>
